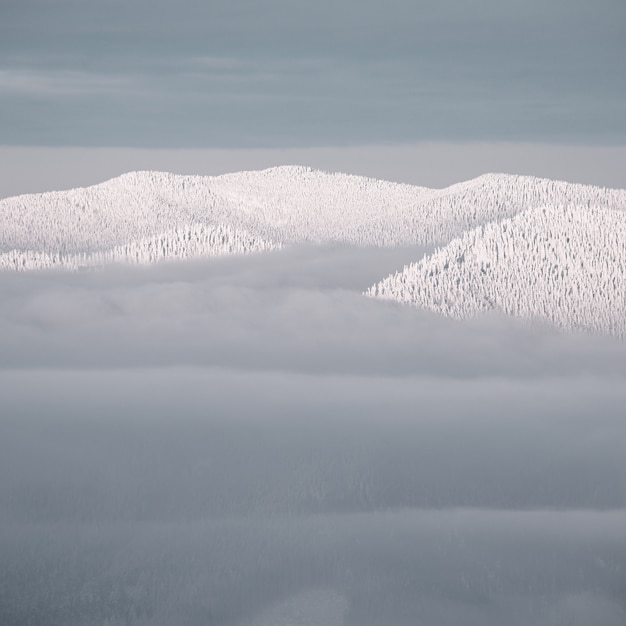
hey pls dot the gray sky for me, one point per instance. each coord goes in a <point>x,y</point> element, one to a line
<point>284,74</point>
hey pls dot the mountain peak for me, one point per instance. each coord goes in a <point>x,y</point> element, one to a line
<point>275,206</point>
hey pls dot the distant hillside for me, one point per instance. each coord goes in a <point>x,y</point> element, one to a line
<point>118,220</point>
<point>194,241</point>
<point>564,264</point>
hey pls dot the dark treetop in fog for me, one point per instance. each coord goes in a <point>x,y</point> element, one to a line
<point>279,73</point>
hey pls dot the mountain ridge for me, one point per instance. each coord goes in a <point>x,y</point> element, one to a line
<point>530,247</point>
<point>564,264</point>
<point>276,206</point>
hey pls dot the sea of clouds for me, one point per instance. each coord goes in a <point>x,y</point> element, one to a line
<point>252,441</point>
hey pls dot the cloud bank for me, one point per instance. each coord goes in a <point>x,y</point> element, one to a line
<point>300,309</point>
<point>244,441</point>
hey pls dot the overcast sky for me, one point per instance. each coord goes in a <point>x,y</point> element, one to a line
<point>278,75</point>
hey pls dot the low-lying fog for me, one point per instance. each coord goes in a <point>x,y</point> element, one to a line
<point>251,441</point>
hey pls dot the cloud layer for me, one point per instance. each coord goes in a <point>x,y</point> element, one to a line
<point>300,309</point>
<point>245,440</point>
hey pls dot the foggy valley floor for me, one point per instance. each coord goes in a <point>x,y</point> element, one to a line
<point>252,441</point>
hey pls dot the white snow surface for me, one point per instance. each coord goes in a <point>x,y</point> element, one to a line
<point>565,264</point>
<point>148,216</point>
<point>192,241</point>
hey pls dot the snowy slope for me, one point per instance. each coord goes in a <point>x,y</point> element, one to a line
<point>118,219</point>
<point>194,241</point>
<point>564,264</point>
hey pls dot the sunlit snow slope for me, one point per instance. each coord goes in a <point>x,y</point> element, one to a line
<point>147,216</point>
<point>193,241</point>
<point>565,264</point>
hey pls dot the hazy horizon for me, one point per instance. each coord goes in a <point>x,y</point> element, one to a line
<point>436,165</point>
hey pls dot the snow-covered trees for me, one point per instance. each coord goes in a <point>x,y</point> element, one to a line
<point>282,205</point>
<point>193,241</point>
<point>565,264</point>
<point>528,246</point>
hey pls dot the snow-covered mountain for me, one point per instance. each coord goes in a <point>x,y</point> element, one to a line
<point>193,241</point>
<point>145,216</point>
<point>566,264</point>
<point>530,247</point>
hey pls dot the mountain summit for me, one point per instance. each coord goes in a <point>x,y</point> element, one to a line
<point>530,247</point>
<point>148,216</point>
